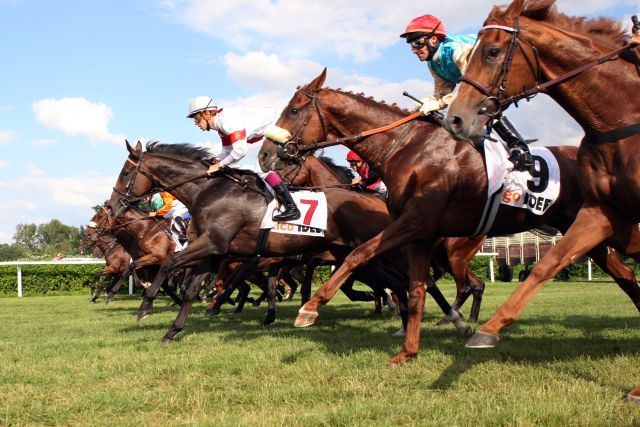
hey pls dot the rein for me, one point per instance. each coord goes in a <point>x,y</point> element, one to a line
<point>292,148</point>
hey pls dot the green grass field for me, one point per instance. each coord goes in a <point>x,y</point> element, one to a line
<point>568,361</point>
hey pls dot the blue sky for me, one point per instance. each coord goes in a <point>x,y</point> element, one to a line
<point>80,76</point>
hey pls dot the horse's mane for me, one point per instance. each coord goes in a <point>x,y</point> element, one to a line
<point>605,29</point>
<point>344,173</point>
<point>186,151</point>
<point>368,100</point>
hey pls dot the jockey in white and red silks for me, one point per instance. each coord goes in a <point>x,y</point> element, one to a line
<point>238,127</point>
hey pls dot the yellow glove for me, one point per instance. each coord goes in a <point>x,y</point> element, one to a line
<point>430,104</point>
<point>635,39</point>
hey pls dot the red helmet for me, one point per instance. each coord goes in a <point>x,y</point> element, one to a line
<point>428,24</point>
<point>353,157</point>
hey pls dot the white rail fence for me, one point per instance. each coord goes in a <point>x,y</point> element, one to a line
<point>67,261</point>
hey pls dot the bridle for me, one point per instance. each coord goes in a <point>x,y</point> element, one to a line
<point>292,147</point>
<point>499,100</point>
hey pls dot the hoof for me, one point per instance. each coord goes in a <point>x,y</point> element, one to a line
<point>466,332</point>
<point>634,396</point>
<point>166,341</point>
<point>109,301</point>
<point>482,340</point>
<point>400,359</point>
<point>400,332</point>
<point>305,318</point>
<point>270,318</point>
<point>444,321</point>
<point>143,314</point>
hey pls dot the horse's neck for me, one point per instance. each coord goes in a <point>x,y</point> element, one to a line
<point>590,97</point>
<point>168,174</point>
<point>349,118</point>
<point>320,173</point>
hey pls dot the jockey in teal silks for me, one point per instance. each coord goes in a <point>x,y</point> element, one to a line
<point>447,56</point>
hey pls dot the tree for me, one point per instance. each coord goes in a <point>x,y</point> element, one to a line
<point>58,237</point>
<point>11,252</point>
<point>27,237</point>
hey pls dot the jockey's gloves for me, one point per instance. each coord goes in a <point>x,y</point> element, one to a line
<point>431,103</point>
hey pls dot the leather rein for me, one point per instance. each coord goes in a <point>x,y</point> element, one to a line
<point>293,147</point>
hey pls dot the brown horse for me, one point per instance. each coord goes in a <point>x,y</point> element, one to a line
<point>227,210</point>
<point>437,187</point>
<point>452,255</point>
<point>116,257</point>
<point>531,45</point>
<point>146,239</point>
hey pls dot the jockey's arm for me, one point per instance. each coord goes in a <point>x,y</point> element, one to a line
<point>168,204</point>
<point>443,89</point>
<point>235,152</point>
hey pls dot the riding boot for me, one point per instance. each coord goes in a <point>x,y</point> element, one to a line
<point>290,211</point>
<point>182,229</point>
<point>519,155</point>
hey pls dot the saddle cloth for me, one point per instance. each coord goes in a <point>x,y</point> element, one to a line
<point>521,189</point>
<point>313,218</point>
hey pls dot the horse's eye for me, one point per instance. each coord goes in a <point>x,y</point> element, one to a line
<point>293,111</point>
<point>492,53</point>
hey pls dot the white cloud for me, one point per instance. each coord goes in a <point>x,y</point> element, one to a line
<point>357,29</point>
<point>34,170</point>
<point>77,117</point>
<point>4,163</point>
<point>7,136</point>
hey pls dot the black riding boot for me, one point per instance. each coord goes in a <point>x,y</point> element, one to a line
<point>182,229</point>
<point>519,154</point>
<point>291,211</point>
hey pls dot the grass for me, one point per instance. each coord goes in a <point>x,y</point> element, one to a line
<point>567,361</point>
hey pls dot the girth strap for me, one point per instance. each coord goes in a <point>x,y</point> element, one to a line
<point>612,135</point>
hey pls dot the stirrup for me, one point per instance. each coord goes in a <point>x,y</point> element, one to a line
<point>291,213</point>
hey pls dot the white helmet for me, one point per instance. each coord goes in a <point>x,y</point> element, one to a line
<point>200,104</point>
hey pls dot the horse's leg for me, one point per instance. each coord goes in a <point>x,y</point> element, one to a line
<point>419,261</point>
<point>592,226</point>
<point>305,289</point>
<point>200,248</point>
<point>116,287</point>
<point>477,286</point>
<point>610,262</point>
<point>190,295</point>
<point>352,294</point>
<point>241,299</point>
<point>271,309</point>
<point>100,287</point>
<point>399,233</point>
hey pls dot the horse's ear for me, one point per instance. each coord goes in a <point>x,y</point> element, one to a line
<point>515,9</point>
<point>317,83</point>
<point>133,151</point>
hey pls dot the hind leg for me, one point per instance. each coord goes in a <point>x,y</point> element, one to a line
<point>609,260</point>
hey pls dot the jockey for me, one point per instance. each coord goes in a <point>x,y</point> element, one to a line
<point>238,127</point>
<point>447,56</point>
<point>367,179</point>
<point>170,208</point>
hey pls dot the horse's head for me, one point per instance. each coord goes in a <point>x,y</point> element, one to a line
<point>100,224</point>
<point>501,65</point>
<point>303,119</point>
<point>131,183</point>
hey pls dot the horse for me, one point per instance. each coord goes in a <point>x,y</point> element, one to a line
<point>227,210</point>
<point>437,186</point>
<point>452,255</point>
<point>116,257</point>
<point>147,240</point>
<point>585,66</point>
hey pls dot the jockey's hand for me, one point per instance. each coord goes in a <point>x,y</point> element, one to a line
<point>356,180</point>
<point>213,169</point>
<point>152,214</point>
<point>430,104</point>
<point>635,39</point>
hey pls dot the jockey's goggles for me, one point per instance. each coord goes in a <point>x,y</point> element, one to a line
<point>418,43</point>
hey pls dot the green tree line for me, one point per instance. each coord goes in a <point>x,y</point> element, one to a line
<point>32,241</point>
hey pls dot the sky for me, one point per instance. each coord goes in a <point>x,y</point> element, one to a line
<point>78,77</point>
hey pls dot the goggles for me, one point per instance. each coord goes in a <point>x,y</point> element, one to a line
<point>418,43</point>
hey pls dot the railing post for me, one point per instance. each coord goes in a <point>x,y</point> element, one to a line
<point>589,269</point>
<point>130,284</point>
<point>19,281</point>
<point>491,269</point>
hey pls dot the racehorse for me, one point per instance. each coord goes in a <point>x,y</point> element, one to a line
<point>227,210</point>
<point>586,67</point>
<point>116,257</point>
<point>452,255</point>
<point>437,187</point>
<point>147,240</point>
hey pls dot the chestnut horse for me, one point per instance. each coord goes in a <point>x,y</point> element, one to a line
<point>227,210</point>
<point>116,257</point>
<point>437,187</point>
<point>585,66</point>
<point>452,255</point>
